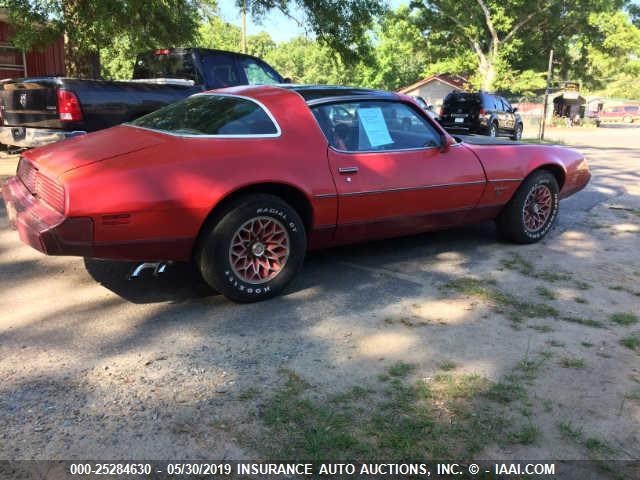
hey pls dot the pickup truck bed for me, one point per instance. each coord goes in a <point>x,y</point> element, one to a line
<point>37,111</point>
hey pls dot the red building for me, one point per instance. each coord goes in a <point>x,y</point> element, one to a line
<point>15,63</point>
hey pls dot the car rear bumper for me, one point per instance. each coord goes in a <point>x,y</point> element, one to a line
<point>28,137</point>
<point>44,228</point>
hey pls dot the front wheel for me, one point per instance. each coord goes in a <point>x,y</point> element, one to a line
<point>530,214</point>
<point>254,250</point>
<point>627,119</point>
<point>493,130</point>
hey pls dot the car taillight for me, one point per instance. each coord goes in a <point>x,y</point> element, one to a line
<point>68,106</point>
<point>163,51</point>
<point>41,186</point>
<point>442,111</point>
<point>481,112</point>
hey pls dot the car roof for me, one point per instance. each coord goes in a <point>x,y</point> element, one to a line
<point>314,94</point>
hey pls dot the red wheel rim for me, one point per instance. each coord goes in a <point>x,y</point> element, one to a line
<point>537,208</point>
<point>259,250</point>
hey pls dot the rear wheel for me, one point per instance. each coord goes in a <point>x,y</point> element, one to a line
<point>517,133</point>
<point>493,130</point>
<point>254,250</point>
<point>627,119</point>
<point>530,214</point>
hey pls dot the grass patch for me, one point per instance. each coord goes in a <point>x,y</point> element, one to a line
<point>505,303</point>
<point>520,265</point>
<point>445,416</point>
<point>621,288</point>
<point>571,432</point>
<point>395,420</point>
<point>248,394</point>
<point>586,344</point>
<point>632,342</point>
<point>580,300</point>
<point>544,292</point>
<point>572,362</point>
<point>624,319</point>
<point>446,366</point>
<point>583,321</point>
<point>400,369</point>
<point>527,435</point>
<point>506,391</point>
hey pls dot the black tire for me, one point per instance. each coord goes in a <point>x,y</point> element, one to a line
<point>493,129</point>
<point>517,133</point>
<point>511,221</point>
<point>214,255</point>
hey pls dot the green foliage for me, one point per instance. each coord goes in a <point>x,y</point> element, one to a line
<point>106,24</point>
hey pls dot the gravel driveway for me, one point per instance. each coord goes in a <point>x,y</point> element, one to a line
<point>95,366</point>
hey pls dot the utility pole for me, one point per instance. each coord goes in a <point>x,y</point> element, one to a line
<point>546,97</point>
<point>244,26</point>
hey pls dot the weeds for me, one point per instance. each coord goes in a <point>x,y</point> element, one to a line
<point>624,319</point>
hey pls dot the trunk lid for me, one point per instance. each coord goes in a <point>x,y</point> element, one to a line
<point>60,157</point>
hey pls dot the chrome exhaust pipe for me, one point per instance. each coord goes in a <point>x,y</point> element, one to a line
<point>158,268</point>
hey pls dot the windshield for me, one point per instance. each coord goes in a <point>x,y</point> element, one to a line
<point>221,115</point>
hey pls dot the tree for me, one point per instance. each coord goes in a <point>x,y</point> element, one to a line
<point>340,25</point>
<point>494,30</point>
<point>89,26</point>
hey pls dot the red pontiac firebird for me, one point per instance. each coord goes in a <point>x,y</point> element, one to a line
<point>244,180</point>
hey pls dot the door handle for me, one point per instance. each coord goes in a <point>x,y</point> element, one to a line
<point>345,170</point>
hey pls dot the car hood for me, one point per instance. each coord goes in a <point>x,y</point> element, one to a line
<point>61,157</point>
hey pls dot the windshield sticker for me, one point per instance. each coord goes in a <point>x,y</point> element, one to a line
<point>374,126</point>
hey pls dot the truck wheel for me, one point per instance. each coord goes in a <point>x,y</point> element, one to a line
<point>517,133</point>
<point>627,119</point>
<point>530,213</point>
<point>493,129</point>
<point>254,250</point>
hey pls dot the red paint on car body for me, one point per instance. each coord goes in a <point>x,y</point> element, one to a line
<point>136,194</point>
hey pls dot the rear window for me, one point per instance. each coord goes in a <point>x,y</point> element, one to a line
<point>207,114</point>
<point>166,64</point>
<point>461,101</point>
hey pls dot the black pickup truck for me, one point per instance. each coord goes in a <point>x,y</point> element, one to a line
<point>37,111</point>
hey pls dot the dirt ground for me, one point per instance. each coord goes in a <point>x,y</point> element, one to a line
<point>94,366</point>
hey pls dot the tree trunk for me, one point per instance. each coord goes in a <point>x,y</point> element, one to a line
<point>78,61</point>
<point>488,71</point>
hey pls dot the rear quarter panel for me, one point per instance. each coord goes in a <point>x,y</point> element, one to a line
<point>507,165</point>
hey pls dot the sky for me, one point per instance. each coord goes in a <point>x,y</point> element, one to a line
<point>275,23</point>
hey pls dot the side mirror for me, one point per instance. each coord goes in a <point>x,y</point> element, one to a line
<point>514,110</point>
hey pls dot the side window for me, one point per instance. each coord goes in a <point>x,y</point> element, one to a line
<point>221,70</point>
<point>506,105</point>
<point>209,114</point>
<point>258,73</point>
<point>374,126</point>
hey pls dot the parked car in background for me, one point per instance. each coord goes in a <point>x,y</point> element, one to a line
<point>242,181</point>
<point>37,111</point>
<point>618,114</point>
<point>426,107</point>
<point>483,113</point>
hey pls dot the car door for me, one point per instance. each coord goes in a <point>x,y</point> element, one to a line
<point>391,174</point>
